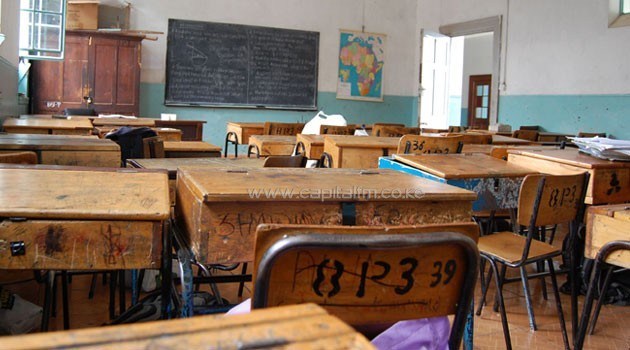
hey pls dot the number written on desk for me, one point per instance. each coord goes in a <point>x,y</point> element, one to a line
<point>420,146</point>
<point>329,273</point>
<point>562,196</point>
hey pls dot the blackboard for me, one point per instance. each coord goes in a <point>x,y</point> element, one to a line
<point>232,65</point>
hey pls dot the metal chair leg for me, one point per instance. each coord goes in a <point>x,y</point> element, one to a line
<point>92,286</point>
<point>496,297</point>
<point>65,301</point>
<point>48,295</point>
<point>600,301</point>
<point>556,293</point>
<point>241,285</point>
<point>499,284</point>
<point>528,298</point>
<point>484,289</point>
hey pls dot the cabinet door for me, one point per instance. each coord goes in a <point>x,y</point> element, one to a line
<point>58,85</point>
<point>114,75</point>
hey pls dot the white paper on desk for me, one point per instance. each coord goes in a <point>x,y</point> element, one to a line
<point>116,116</point>
<point>603,147</point>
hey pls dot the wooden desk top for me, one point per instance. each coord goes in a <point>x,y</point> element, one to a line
<point>506,140</point>
<point>273,139</point>
<point>572,156</point>
<point>487,149</point>
<point>607,223</point>
<point>67,193</point>
<point>191,146</point>
<point>45,123</point>
<point>293,326</point>
<point>246,124</point>
<point>171,164</point>
<point>300,184</point>
<point>107,121</point>
<point>463,166</point>
<point>362,141</point>
<point>55,142</point>
<point>313,140</point>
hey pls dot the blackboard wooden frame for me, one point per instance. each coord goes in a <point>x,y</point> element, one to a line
<point>210,64</point>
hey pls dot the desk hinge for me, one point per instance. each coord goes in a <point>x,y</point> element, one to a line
<point>348,213</point>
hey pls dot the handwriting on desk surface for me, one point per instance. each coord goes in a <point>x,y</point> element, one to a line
<point>614,184</point>
<point>419,146</point>
<point>113,245</point>
<point>562,196</point>
<point>245,224</point>
<point>395,275</point>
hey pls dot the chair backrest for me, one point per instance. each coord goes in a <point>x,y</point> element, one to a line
<point>153,147</point>
<point>456,128</point>
<point>286,129</point>
<point>591,134</point>
<point>370,277</point>
<point>421,144</point>
<point>395,131</point>
<point>336,130</point>
<point>529,127</point>
<point>26,157</point>
<point>473,138</point>
<point>530,135</point>
<point>377,127</point>
<point>296,161</point>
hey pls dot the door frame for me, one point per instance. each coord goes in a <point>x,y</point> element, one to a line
<point>472,95</point>
<point>484,25</point>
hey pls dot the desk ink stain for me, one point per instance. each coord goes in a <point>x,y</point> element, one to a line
<point>62,197</point>
<point>53,238</point>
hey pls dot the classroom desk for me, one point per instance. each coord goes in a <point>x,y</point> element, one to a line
<point>51,126</point>
<point>358,151</point>
<point>507,140</point>
<point>166,134</point>
<point>113,121</point>
<point>604,224</point>
<point>75,218</point>
<point>502,150</point>
<point>171,165</point>
<point>238,133</point>
<point>65,150</point>
<point>293,326</point>
<point>312,146</point>
<point>495,181</point>
<point>546,136</point>
<point>190,149</point>
<point>271,145</point>
<point>609,182</point>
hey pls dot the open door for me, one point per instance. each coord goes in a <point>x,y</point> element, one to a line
<point>479,101</point>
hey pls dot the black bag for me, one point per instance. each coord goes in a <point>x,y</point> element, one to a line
<point>130,141</point>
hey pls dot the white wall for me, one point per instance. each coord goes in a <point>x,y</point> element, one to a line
<point>9,58</point>
<point>477,60</point>
<point>397,19</point>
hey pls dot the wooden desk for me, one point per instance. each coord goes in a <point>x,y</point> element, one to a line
<point>190,149</point>
<point>496,182</point>
<point>192,130</point>
<point>359,152</point>
<point>112,121</point>
<point>65,150</point>
<point>219,209</point>
<point>507,140</point>
<point>271,145</point>
<point>604,224</point>
<point>503,149</point>
<point>609,182</point>
<point>545,136</point>
<point>313,145</point>
<point>166,134</point>
<point>238,133</point>
<point>48,126</point>
<point>171,165</point>
<point>294,326</point>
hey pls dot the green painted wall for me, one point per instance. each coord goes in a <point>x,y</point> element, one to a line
<point>569,113</point>
<point>396,109</point>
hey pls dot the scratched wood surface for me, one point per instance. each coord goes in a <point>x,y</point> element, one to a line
<point>306,326</point>
<point>460,166</point>
<point>124,194</point>
<point>56,126</point>
<point>110,121</point>
<point>273,145</point>
<point>609,182</point>
<point>313,145</point>
<point>604,224</point>
<point>72,245</point>
<point>507,140</point>
<point>244,130</point>
<point>358,152</point>
<point>219,209</point>
<point>21,157</point>
<point>365,286</point>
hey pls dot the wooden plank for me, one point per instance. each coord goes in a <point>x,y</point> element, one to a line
<point>80,245</point>
<point>573,157</point>
<point>171,164</point>
<point>15,125</point>
<point>81,158</point>
<point>604,224</point>
<point>273,145</point>
<point>305,326</point>
<point>506,140</point>
<point>60,193</point>
<point>462,166</point>
<point>363,141</point>
<point>192,146</point>
<point>18,157</point>
<point>54,142</point>
<point>313,145</point>
<point>243,130</point>
<point>111,121</point>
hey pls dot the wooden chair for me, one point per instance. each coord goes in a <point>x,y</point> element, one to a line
<point>529,127</point>
<point>591,134</point>
<point>337,130</point>
<point>286,129</point>
<point>544,200</point>
<point>153,147</point>
<point>530,135</point>
<point>369,276</point>
<point>472,138</point>
<point>296,161</point>
<point>377,127</point>
<point>420,144</point>
<point>456,128</point>
<point>396,131</point>
<point>27,157</point>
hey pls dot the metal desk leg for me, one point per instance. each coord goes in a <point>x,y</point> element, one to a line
<point>167,264</point>
<point>185,268</point>
<point>470,326</point>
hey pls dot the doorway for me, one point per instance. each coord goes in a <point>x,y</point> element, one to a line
<point>479,101</point>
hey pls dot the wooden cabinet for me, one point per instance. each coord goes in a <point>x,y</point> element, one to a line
<point>100,71</point>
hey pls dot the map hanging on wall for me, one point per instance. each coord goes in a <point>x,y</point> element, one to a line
<point>361,61</point>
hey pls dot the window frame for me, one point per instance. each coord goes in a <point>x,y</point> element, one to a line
<point>39,53</point>
<point>622,7</point>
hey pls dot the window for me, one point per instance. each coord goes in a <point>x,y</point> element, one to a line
<point>42,28</point>
<point>625,6</point>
